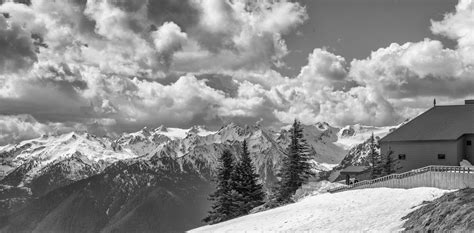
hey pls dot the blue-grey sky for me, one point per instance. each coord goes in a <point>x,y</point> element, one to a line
<point>355,28</point>
<point>113,66</point>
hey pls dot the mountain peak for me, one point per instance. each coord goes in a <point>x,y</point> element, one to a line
<point>161,128</point>
<point>145,132</point>
<point>230,125</point>
<point>322,125</point>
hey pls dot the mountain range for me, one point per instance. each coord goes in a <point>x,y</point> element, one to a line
<point>146,181</point>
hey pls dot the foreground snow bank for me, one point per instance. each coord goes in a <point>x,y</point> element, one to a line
<point>453,212</point>
<point>376,210</point>
<point>465,163</point>
<point>314,188</point>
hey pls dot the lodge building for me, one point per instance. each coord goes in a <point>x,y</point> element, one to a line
<point>443,135</point>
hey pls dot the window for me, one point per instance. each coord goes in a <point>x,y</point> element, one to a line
<point>441,156</point>
<point>468,142</point>
<point>402,157</point>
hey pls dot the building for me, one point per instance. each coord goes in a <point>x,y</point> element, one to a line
<point>443,135</point>
<point>353,174</point>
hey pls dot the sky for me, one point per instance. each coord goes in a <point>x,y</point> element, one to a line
<point>114,66</point>
<point>343,27</point>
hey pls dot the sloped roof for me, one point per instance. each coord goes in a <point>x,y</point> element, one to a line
<point>354,169</point>
<point>438,123</point>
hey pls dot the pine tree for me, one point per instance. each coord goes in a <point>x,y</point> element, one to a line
<point>245,182</point>
<point>223,198</point>
<point>389,164</point>
<point>376,162</point>
<point>296,167</point>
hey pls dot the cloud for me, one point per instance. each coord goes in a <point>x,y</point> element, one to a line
<point>115,66</point>
<point>415,70</point>
<point>412,74</point>
<point>168,39</point>
<point>235,35</point>
<point>325,69</point>
<point>394,83</point>
<point>17,46</point>
<point>15,128</point>
<point>459,26</point>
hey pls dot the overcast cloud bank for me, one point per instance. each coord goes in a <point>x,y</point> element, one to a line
<point>114,65</point>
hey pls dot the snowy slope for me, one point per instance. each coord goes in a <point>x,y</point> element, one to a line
<point>49,162</point>
<point>195,145</point>
<point>372,210</point>
<point>37,167</point>
<point>353,135</point>
<point>201,147</point>
<point>322,139</point>
<point>49,150</point>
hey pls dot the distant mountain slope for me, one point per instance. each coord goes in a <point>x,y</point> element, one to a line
<point>41,165</point>
<point>54,169</point>
<point>77,154</point>
<point>158,195</point>
<point>357,137</point>
<point>352,135</point>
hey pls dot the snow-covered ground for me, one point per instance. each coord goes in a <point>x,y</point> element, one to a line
<point>369,210</point>
<point>465,163</point>
<point>315,188</point>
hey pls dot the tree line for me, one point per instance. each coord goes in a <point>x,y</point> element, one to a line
<point>381,165</point>
<point>238,189</point>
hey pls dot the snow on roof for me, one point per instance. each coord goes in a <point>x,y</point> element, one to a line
<point>438,123</point>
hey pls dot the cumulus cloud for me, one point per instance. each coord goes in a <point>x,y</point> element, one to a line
<point>415,69</point>
<point>234,35</point>
<point>412,74</point>
<point>14,128</point>
<point>168,39</point>
<point>325,69</point>
<point>17,46</point>
<point>117,65</point>
<point>459,26</point>
<point>395,82</point>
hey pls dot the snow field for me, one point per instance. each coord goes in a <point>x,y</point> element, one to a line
<point>367,210</point>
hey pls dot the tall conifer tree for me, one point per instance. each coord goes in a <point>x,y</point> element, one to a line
<point>376,162</point>
<point>245,183</point>
<point>296,167</point>
<point>389,164</point>
<point>223,207</point>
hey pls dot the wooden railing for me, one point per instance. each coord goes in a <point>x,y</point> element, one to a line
<point>445,177</point>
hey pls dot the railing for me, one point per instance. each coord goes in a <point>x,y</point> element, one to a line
<point>451,176</point>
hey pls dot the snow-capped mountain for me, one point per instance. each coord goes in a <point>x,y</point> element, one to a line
<point>43,167</point>
<point>77,155</point>
<point>60,159</point>
<point>322,138</point>
<point>352,135</point>
<point>357,138</point>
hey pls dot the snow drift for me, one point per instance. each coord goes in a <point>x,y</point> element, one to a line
<point>375,210</point>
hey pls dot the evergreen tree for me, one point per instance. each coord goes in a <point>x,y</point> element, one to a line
<point>245,182</point>
<point>223,198</point>
<point>376,162</point>
<point>296,167</point>
<point>389,164</point>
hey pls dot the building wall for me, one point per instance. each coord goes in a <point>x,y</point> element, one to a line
<point>468,151</point>
<point>461,144</point>
<point>423,153</point>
